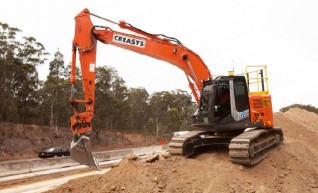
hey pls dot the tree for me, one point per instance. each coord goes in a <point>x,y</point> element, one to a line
<point>110,99</point>
<point>7,47</point>
<point>55,94</point>
<point>120,106</point>
<point>173,120</point>
<point>18,73</point>
<point>138,99</point>
<point>30,54</point>
<point>185,107</point>
<point>169,110</point>
<point>160,104</point>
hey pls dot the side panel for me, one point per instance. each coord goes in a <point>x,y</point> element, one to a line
<point>261,109</point>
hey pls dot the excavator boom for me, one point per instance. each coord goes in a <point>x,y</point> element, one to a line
<point>153,45</point>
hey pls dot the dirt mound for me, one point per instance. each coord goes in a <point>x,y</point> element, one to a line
<point>292,168</point>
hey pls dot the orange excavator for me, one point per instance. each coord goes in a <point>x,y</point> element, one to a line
<point>235,110</point>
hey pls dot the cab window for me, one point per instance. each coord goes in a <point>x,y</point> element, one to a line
<point>205,95</point>
<point>222,106</point>
<point>241,95</point>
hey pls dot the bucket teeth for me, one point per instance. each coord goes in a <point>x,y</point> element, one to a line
<point>81,152</point>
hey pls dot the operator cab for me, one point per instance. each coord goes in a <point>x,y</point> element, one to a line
<point>223,104</point>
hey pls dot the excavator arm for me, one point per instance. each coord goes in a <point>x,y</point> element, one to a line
<point>156,46</point>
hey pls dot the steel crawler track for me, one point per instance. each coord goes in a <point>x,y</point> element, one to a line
<point>248,148</point>
<point>185,145</point>
<point>182,145</point>
<point>251,147</point>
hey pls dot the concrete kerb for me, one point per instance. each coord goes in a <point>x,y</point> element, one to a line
<point>111,155</point>
<point>149,150</point>
<point>8,168</point>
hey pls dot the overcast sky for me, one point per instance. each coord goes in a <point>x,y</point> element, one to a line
<point>227,34</point>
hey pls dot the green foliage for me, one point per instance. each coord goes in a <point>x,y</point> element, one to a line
<point>54,108</point>
<point>138,109</point>
<point>171,110</point>
<point>18,62</point>
<point>110,99</point>
<point>309,108</point>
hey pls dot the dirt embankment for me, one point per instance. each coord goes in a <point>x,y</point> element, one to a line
<point>291,168</point>
<point>25,141</point>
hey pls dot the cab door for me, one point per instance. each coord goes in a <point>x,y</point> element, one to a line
<point>231,102</point>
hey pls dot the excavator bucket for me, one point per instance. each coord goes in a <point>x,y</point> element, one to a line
<point>81,151</point>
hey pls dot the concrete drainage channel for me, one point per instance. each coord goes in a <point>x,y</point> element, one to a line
<point>9,168</point>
